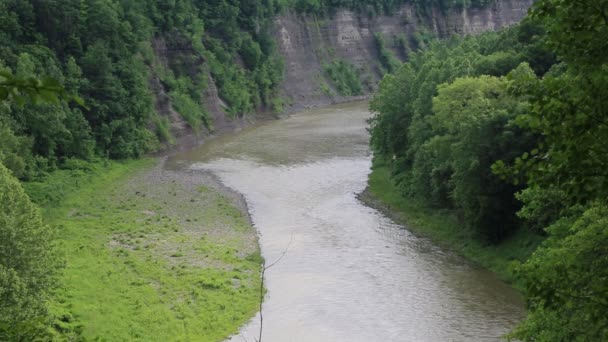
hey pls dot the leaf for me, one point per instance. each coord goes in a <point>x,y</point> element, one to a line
<point>19,99</point>
<point>51,83</point>
<point>48,96</point>
<point>79,101</point>
<point>3,93</point>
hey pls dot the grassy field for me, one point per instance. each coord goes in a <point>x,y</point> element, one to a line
<point>151,255</point>
<point>443,228</point>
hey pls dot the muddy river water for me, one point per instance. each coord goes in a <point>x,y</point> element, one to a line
<point>349,273</point>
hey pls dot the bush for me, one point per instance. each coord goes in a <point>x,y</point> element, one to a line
<point>344,77</point>
<point>387,59</point>
<point>190,110</point>
<point>163,131</point>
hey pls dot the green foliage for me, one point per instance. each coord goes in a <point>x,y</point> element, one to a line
<point>105,52</point>
<point>163,131</point>
<point>570,115</point>
<point>15,151</point>
<point>387,59</point>
<point>566,277</point>
<point>566,283</point>
<point>443,139</point>
<point>576,30</point>
<point>251,52</point>
<point>36,127</point>
<point>471,130</point>
<point>541,129</point>
<point>325,89</point>
<point>373,7</point>
<point>542,207</point>
<point>28,264</point>
<point>345,77</point>
<point>194,114</point>
<point>403,46</point>
<point>278,104</point>
<point>48,191</point>
<point>46,90</point>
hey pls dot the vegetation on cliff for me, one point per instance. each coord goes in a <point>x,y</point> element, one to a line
<point>509,139</point>
<point>373,7</point>
<point>345,77</point>
<point>107,52</point>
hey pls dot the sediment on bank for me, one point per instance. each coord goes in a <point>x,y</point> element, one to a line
<point>150,254</point>
<point>444,228</point>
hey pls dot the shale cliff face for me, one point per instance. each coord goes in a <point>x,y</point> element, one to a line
<point>216,108</point>
<point>307,43</point>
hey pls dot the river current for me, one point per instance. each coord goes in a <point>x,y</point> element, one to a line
<point>346,272</point>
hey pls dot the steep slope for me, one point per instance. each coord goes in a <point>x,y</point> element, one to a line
<point>216,108</point>
<point>156,73</point>
<point>308,43</point>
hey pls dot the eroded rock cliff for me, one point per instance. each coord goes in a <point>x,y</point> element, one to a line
<point>307,43</point>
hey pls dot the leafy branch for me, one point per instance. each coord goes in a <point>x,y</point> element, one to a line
<point>45,90</point>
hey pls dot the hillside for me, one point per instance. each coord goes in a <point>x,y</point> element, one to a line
<point>310,45</point>
<point>155,75</point>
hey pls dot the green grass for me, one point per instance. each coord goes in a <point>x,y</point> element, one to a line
<point>147,262</point>
<point>443,228</point>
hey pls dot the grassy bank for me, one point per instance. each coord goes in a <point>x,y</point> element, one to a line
<point>443,227</point>
<point>151,255</point>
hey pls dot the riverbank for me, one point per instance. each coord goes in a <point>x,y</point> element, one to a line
<point>150,254</point>
<point>443,228</point>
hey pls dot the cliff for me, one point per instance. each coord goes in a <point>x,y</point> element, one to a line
<point>307,43</point>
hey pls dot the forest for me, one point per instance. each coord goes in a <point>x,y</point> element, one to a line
<point>505,130</point>
<point>102,51</point>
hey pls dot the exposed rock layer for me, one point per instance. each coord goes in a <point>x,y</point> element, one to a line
<point>307,43</point>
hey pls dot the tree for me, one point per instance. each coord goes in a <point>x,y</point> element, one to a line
<point>576,29</point>
<point>570,107</point>
<point>566,281</point>
<point>569,112</point>
<point>472,126</point>
<point>28,264</point>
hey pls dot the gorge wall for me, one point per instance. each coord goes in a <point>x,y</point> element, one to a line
<point>307,43</point>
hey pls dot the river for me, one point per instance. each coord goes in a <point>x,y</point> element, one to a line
<point>348,272</point>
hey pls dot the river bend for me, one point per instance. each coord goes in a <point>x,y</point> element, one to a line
<point>349,272</point>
